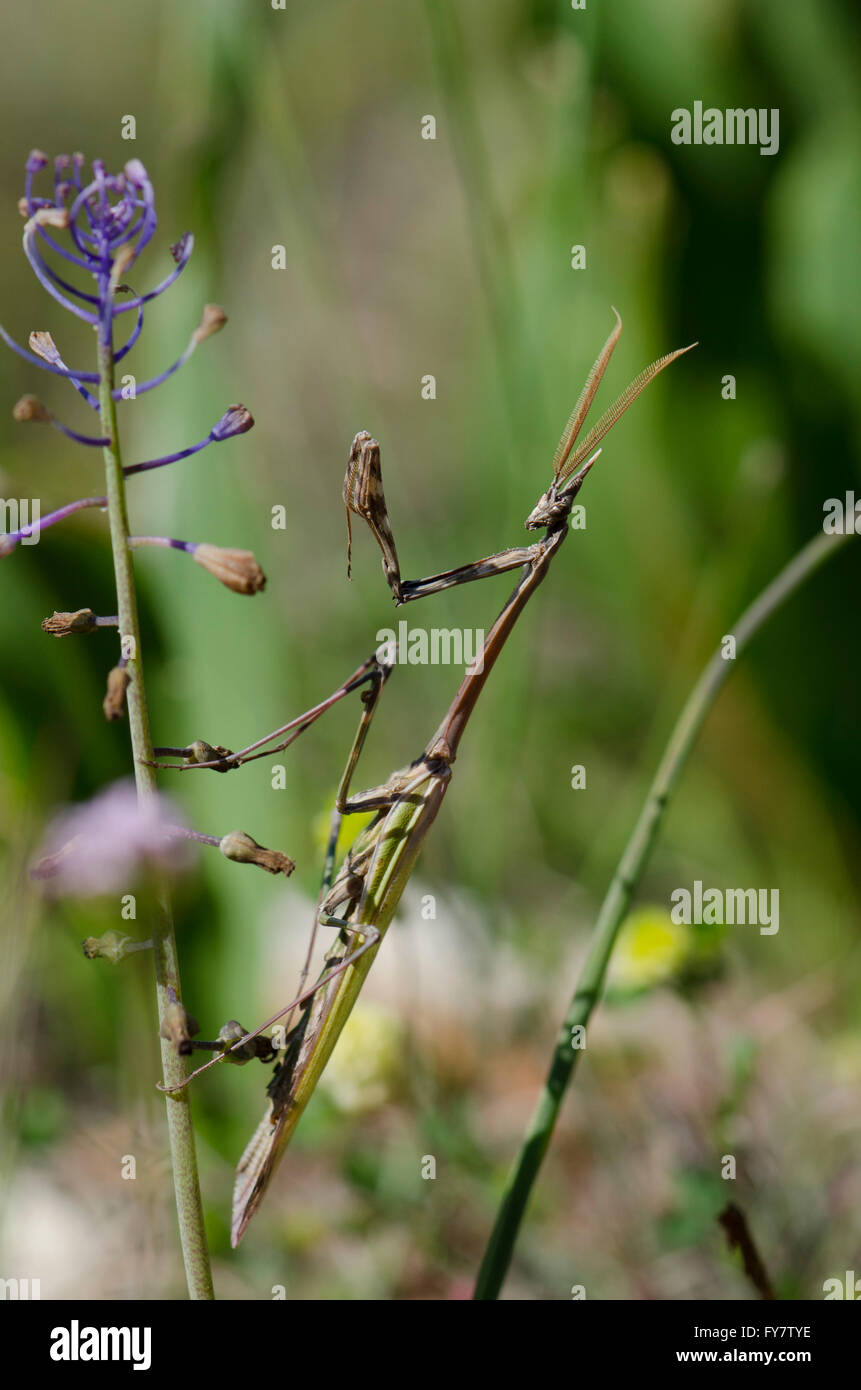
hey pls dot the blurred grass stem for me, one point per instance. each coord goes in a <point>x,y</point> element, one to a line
<point>616,904</point>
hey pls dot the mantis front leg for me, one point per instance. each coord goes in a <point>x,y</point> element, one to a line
<point>364,496</point>
<point>514,558</point>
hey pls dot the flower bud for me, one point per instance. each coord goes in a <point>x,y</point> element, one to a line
<point>237,569</point>
<point>243,850</point>
<point>7,545</point>
<point>30,408</point>
<point>114,703</point>
<point>235,420</point>
<point>182,248</point>
<point>64,624</point>
<point>36,160</point>
<point>135,172</point>
<point>212,321</point>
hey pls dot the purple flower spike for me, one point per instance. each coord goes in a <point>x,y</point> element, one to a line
<point>98,223</point>
<point>109,218</point>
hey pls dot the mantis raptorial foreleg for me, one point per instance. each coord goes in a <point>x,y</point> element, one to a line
<point>499,563</point>
<point>364,496</point>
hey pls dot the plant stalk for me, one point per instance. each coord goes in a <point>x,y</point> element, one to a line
<point>181,1133</point>
<point>614,909</point>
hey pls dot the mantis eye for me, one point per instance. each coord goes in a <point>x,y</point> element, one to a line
<point>546,509</point>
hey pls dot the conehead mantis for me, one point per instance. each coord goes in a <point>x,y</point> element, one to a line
<point>360,900</point>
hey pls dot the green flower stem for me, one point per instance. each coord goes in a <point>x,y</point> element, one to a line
<point>614,909</point>
<point>180,1130</point>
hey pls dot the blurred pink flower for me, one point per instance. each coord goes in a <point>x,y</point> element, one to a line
<point>103,845</point>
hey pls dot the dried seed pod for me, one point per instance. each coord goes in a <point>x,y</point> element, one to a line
<point>113,947</point>
<point>122,260</point>
<point>64,624</point>
<point>30,408</point>
<point>212,321</point>
<point>44,346</point>
<point>51,217</point>
<point>237,569</point>
<point>243,850</point>
<point>114,703</point>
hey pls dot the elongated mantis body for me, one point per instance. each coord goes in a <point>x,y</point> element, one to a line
<point>368,886</point>
<point>371,881</point>
<point>382,859</point>
<point>375,870</point>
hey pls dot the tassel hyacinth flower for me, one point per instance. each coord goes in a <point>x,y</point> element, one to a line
<point>83,236</point>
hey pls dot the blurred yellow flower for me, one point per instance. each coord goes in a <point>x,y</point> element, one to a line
<point>321,826</point>
<point>652,949</point>
<point>367,1062</point>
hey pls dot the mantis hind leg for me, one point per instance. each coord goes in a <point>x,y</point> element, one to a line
<point>342,807</point>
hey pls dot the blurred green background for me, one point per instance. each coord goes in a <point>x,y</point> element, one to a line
<point>408,257</point>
